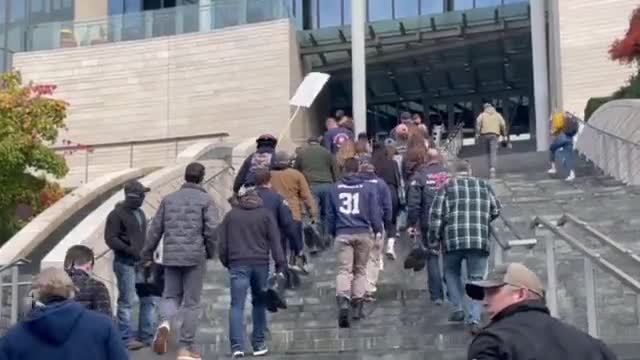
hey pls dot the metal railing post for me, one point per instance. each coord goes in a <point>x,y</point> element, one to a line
<point>552,280</point>
<point>2,294</point>
<point>131,155</point>
<point>590,292</point>
<point>498,255</point>
<point>86,165</point>
<point>630,164</point>
<point>14,295</point>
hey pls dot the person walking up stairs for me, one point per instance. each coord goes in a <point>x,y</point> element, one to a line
<point>354,213</point>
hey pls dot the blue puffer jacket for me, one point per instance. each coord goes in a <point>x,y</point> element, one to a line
<point>354,207</point>
<point>63,330</point>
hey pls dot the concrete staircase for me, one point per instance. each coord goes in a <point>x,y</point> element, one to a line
<point>403,324</point>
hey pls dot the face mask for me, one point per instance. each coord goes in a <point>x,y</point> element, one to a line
<point>134,201</point>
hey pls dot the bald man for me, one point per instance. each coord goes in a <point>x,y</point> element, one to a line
<point>425,182</point>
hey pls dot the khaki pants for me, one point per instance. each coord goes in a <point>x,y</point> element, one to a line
<point>352,255</point>
<point>373,265</point>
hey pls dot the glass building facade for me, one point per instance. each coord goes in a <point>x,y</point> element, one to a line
<point>28,25</point>
<point>328,13</point>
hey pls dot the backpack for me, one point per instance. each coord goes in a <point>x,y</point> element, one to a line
<point>571,124</point>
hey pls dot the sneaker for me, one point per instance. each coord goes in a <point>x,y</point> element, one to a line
<point>299,263</point>
<point>369,296</point>
<point>134,345</point>
<point>260,350</point>
<point>381,262</point>
<point>161,338</point>
<point>237,354</point>
<point>391,254</point>
<point>571,177</point>
<point>186,354</point>
<point>438,302</point>
<point>457,316</point>
<point>552,170</point>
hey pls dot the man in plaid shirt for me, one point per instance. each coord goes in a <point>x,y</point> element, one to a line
<point>459,222</point>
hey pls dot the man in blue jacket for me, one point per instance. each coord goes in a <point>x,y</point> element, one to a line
<point>374,265</point>
<point>335,136</point>
<point>59,328</point>
<point>353,215</point>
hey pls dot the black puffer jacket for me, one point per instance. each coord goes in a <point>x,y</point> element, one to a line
<point>187,219</point>
<point>526,331</point>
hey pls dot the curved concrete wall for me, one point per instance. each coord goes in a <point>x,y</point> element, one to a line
<point>611,140</point>
<point>38,229</point>
<point>90,231</point>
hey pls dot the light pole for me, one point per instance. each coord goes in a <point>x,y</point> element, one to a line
<point>359,64</point>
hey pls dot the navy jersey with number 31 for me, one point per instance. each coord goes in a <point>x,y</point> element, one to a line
<point>354,207</point>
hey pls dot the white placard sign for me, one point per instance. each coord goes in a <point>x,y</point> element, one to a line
<point>309,89</point>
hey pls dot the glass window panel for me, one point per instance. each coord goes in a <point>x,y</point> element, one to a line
<point>513,1</point>
<point>225,14</point>
<point>487,3</point>
<point>260,10</point>
<point>347,12</point>
<point>380,10</point>
<point>132,6</point>
<point>462,4</point>
<point>330,13</point>
<point>15,38</point>
<point>428,7</point>
<point>406,8</point>
<point>17,10</point>
<point>116,7</point>
<point>3,14</point>
<point>152,4</point>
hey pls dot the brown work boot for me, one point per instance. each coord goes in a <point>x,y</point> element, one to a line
<point>134,345</point>
<point>160,342</point>
<point>186,354</point>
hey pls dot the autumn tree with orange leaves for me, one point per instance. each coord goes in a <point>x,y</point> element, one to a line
<point>30,120</point>
<point>627,49</point>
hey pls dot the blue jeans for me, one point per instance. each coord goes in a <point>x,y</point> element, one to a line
<point>126,279</point>
<point>434,278</point>
<point>477,263</point>
<point>147,320</point>
<point>563,143</point>
<point>322,194</point>
<point>241,278</point>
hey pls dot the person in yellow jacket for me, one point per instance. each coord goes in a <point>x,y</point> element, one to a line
<point>490,125</point>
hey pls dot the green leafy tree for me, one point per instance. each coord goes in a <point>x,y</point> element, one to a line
<point>30,120</point>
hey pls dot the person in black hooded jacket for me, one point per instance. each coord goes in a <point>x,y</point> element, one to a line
<point>248,234</point>
<point>125,233</point>
<point>262,158</point>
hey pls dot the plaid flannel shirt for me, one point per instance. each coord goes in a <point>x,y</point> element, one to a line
<point>461,214</point>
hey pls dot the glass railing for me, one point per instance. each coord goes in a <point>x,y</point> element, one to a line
<point>155,23</point>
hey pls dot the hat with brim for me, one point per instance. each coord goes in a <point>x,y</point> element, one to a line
<point>514,274</point>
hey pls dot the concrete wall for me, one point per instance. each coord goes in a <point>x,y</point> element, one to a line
<point>237,80</point>
<point>587,29</point>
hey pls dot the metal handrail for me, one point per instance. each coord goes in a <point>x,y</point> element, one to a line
<point>13,266</point>
<point>590,258</point>
<point>617,137</point>
<point>14,263</point>
<point>565,218</point>
<point>141,142</point>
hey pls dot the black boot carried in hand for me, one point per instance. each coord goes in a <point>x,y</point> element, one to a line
<point>358,309</point>
<point>344,309</point>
